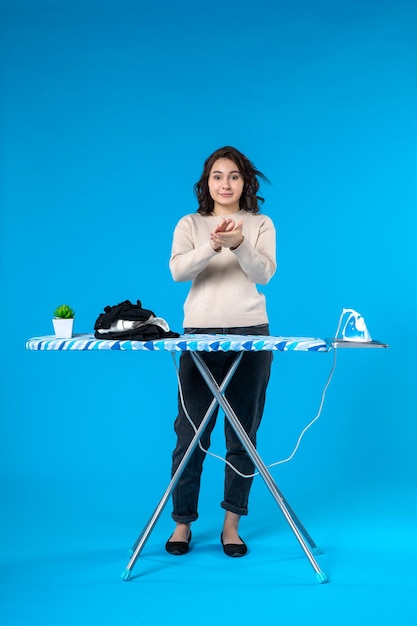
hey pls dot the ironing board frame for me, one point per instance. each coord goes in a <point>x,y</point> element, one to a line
<point>219,398</point>
<point>88,342</point>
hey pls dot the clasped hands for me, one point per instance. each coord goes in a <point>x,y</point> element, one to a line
<point>227,234</point>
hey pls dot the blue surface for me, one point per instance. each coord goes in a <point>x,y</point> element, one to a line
<point>108,110</point>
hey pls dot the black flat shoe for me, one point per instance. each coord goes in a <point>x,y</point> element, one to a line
<point>234,549</point>
<point>178,547</point>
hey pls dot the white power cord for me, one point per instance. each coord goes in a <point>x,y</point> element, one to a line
<point>297,445</point>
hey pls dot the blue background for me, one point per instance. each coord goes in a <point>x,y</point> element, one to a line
<point>108,110</point>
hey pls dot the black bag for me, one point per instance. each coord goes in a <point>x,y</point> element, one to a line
<point>133,313</point>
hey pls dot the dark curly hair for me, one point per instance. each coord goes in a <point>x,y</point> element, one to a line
<point>249,200</point>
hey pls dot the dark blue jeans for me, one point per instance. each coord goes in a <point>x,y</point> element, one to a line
<point>246,395</point>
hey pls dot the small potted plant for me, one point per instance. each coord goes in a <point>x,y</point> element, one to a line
<point>63,321</point>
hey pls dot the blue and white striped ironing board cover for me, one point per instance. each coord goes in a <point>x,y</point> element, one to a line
<point>194,343</point>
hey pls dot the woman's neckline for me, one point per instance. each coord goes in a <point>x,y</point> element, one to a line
<point>212,214</point>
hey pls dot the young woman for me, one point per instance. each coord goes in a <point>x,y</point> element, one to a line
<point>226,248</point>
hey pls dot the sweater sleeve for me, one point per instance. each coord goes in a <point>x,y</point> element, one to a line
<point>187,261</point>
<point>258,261</point>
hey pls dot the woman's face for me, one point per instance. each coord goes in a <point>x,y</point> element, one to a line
<point>225,184</point>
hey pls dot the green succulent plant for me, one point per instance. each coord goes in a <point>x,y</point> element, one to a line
<point>64,311</point>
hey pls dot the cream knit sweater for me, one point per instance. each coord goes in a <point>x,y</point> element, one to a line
<point>223,292</point>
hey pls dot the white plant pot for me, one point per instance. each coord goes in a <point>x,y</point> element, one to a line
<point>63,327</point>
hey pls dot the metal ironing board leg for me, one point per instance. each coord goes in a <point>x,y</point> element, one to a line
<point>259,464</point>
<point>314,547</point>
<point>144,535</point>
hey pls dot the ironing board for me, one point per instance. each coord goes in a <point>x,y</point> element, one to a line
<point>197,344</point>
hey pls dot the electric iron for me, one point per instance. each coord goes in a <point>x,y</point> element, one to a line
<point>352,327</point>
